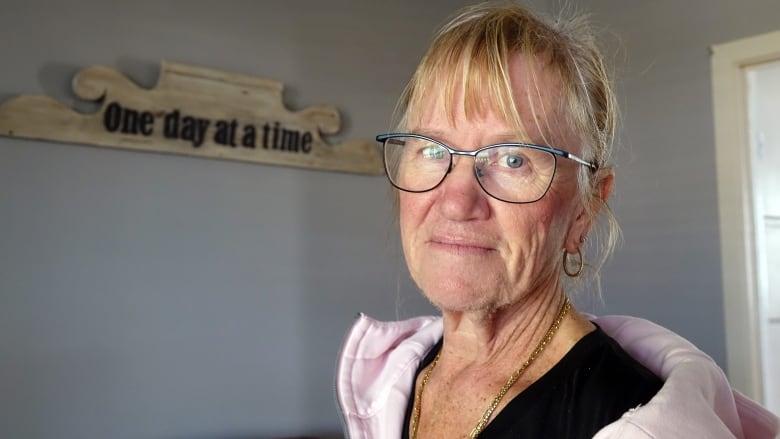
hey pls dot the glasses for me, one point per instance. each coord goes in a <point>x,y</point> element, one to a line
<point>511,172</point>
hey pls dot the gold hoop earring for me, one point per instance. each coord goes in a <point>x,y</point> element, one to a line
<point>566,264</point>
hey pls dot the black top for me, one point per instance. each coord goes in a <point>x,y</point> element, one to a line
<point>592,386</point>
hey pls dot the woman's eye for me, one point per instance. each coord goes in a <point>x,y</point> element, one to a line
<point>512,161</point>
<point>432,152</point>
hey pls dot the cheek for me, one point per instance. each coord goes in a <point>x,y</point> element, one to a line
<point>539,230</point>
<point>553,215</point>
<point>559,218</point>
<point>411,213</point>
<point>412,209</point>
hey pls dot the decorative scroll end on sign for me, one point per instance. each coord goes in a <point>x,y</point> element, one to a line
<point>194,111</point>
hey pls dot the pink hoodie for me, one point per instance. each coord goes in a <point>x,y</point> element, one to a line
<point>379,359</point>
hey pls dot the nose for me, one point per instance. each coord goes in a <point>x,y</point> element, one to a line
<point>460,196</point>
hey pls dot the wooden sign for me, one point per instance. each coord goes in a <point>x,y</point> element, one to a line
<point>192,111</point>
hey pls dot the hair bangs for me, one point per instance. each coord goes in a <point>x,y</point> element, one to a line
<point>465,70</point>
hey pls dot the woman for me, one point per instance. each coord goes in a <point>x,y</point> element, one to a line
<point>502,166</point>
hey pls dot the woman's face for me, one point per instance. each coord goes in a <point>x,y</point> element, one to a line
<point>468,251</point>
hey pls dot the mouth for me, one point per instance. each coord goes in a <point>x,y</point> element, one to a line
<point>459,246</point>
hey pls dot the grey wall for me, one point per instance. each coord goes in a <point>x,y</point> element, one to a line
<point>151,296</point>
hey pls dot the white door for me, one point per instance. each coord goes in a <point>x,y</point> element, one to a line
<point>746,96</point>
<point>763,84</point>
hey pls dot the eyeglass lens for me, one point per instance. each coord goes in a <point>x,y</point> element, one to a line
<point>513,173</point>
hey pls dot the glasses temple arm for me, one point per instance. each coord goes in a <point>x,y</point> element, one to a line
<point>571,156</point>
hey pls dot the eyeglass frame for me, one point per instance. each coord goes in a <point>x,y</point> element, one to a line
<point>383,138</point>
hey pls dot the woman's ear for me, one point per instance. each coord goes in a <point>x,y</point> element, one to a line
<point>580,227</point>
<point>604,184</point>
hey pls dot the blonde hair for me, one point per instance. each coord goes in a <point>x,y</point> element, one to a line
<point>469,58</point>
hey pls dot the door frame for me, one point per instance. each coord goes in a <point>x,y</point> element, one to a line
<point>741,296</point>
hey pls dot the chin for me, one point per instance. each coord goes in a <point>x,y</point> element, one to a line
<point>458,296</point>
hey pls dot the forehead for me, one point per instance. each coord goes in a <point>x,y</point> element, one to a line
<point>530,108</point>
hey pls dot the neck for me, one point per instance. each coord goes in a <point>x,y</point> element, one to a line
<point>486,337</point>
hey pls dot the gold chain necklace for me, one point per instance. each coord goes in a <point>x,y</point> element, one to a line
<point>504,389</point>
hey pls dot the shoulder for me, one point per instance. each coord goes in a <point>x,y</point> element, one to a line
<point>601,382</point>
<point>696,399</point>
<point>609,374</point>
<point>593,385</point>
<point>654,346</point>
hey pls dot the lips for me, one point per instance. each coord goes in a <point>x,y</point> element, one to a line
<point>460,245</point>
